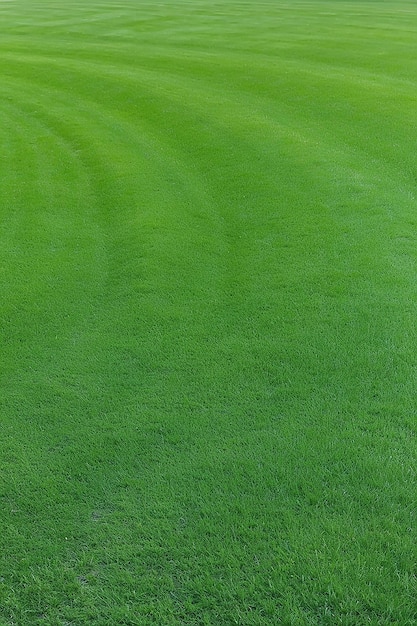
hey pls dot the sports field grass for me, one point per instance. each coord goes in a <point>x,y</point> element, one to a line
<point>208,313</point>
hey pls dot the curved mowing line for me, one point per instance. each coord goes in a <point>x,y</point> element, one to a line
<point>339,155</point>
<point>207,383</point>
<point>41,142</point>
<point>150,77</point>
<point>291,129</point>
<point>167,82</point>
<point>175,91</point>
<point>240,118</point>
<point>214,60</point>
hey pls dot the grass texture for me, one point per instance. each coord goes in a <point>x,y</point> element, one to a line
<point>208,313</point>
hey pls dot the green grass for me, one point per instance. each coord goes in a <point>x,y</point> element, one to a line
<point>208,313</point>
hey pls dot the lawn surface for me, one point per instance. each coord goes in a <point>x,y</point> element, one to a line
<point>208,313</point>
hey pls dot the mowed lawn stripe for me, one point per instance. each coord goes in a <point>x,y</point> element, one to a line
<point>208,337</point>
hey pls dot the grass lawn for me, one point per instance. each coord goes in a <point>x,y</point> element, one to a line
<point>208,306</point>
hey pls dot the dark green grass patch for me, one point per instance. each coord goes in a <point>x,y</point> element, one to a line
<point>208,304</point>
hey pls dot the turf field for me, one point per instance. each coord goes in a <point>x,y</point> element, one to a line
<point>208,306</point>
